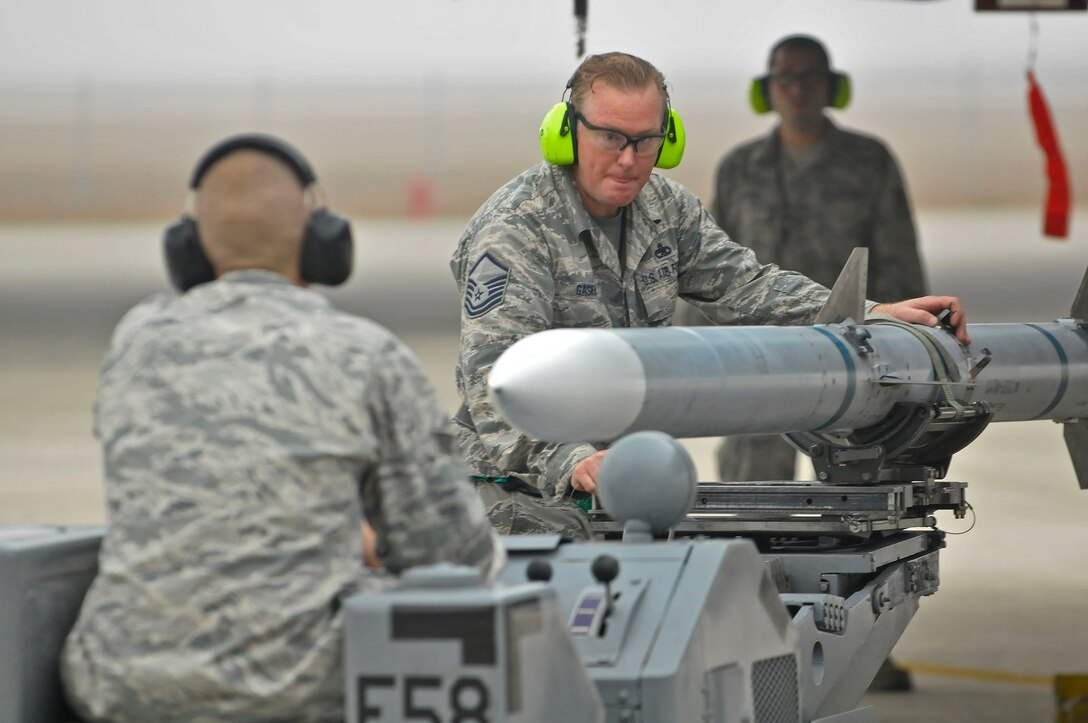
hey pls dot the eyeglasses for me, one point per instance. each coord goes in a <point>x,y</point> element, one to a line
<point>610,139</point>
<point>808,79</point>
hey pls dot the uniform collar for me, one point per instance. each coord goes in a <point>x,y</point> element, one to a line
<point>646,208</point>
<point>563,177</point>
<point>770,150</point>
<point>255,276</point>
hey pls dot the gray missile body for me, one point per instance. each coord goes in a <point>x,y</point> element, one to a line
<point>598,385</point>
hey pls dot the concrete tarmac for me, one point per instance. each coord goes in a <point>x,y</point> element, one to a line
<point>1011,609</point>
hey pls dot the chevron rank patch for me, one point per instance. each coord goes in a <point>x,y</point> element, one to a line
<point>486,286</point>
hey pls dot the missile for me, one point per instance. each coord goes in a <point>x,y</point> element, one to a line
<point>883,390</point>
<point>598,385</point>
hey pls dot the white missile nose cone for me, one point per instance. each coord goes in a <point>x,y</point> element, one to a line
<point>553,385</point>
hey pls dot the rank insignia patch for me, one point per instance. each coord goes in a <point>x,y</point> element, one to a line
<point>486,286</point>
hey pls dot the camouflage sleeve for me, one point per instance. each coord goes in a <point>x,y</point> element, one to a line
<point>518,304</point>
<point>726,282</point>
<point>127,328</point>
<point>418,497</point>
<point>895,264</point>
<point>724,184</point>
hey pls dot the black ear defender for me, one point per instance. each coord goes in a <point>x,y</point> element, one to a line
<point>327,248</point>
<point>838,84</point>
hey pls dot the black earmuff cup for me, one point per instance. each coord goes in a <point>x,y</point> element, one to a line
<point>186,262</point>
<point>327,249</point>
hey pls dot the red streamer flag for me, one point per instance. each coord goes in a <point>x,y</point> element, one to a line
<point>1057,196</point>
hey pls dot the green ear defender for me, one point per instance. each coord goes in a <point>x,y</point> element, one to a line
<point>672,150</point>
<point>758,96</point>
<point>838,92</point>
<point>558,147</point>
<point>557,135</point>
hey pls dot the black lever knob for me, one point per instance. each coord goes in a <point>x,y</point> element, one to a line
<point>605,569</point>
<point>539,571</point>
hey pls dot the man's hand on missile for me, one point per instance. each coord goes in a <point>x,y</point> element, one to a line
<point>924,310</point>
<point>584,476</point>
<point>370,548</point>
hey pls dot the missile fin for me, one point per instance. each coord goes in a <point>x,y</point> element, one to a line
<point>1080,304</point>
<point>1076,439</point>
<point>847,298</point>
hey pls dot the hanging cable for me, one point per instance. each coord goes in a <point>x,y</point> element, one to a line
<point>1033,40</point>
<point>581,13</point>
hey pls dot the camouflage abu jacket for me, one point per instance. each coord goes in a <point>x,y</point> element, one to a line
<point>247,429</point>
<point>532,259</point>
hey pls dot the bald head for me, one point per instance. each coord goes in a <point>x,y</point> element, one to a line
<point>251,213</point>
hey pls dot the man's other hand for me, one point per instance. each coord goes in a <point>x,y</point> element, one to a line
<point>584,476</point>
<point>924,310</point>
<point>370,548</point>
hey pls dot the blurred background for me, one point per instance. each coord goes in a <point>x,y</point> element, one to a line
<point>426,105</point>
<point>413,111</point>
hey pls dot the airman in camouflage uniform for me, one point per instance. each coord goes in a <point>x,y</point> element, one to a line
<point>606,243</point>
<point>248,429</point>
<point>539,254</point>
<point>803,197</point>
<point>810,216</point>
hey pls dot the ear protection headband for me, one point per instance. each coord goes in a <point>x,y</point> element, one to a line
<point>557,132</point>
<point>838,91</point>
<point>326,254</point>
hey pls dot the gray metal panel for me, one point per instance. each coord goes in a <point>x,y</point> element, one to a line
<point>774,689</point>
<point>620,656</point>
<point>690,619</point>
<point>858,715</point>
<point>837,666</point>
<point>806,570</point>
<point>725,610</point>
<point>532,543</point>
<point>409,650</point>
<point>44,573</point>
<point>706,619</point>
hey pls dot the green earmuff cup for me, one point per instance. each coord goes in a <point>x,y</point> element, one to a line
<point>672,150</point>
<point>556,138</point>
<point>840,96</point>
<point>757,95</point>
